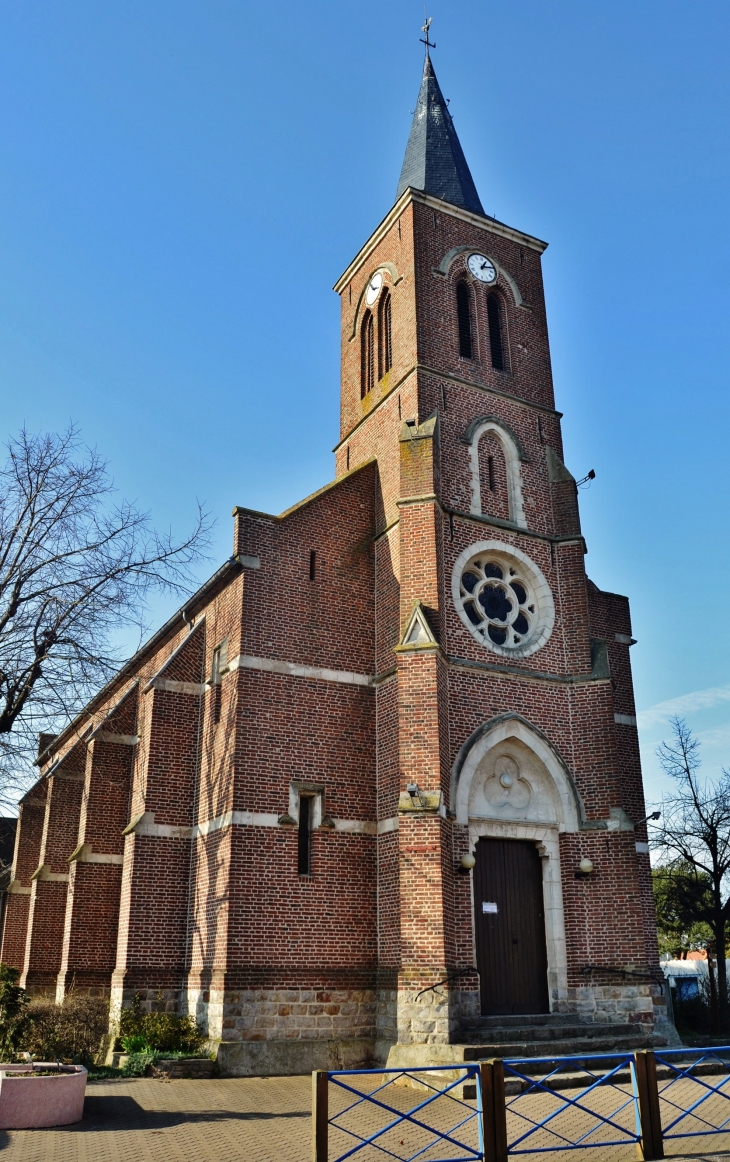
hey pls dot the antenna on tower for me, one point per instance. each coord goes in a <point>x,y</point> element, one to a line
<point>428,43</point>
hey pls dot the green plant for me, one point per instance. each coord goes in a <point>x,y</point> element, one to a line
<point>135,1043</point>
<point>164,1032</point>
<point>13,1012</point>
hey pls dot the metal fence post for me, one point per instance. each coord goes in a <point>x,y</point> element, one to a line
<point>320,1115</point>
<point>494,1114</point>
<point>649,1112</point>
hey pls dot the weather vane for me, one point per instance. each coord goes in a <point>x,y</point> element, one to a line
<point>428,43</point>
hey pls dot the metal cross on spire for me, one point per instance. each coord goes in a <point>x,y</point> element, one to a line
<point>428,43</point>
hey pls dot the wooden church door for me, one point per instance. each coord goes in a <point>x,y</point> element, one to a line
<point>510,927</point>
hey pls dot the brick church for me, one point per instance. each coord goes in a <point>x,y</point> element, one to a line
<point>374,792</point>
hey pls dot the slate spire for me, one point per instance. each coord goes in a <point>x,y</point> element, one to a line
<point>434,160</point>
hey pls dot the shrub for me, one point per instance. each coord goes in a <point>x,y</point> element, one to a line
<point>72,1031</point>
<point>13,1012</point>
<point>138,1063</point>
<point>164,1032</point>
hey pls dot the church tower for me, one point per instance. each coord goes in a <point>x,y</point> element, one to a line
<point>506,729</point>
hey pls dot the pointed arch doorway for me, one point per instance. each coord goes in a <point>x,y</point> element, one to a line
<point>515,795</point>
<point>509,927</point>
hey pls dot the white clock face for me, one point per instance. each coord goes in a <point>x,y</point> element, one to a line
<point>373,290</point>
<point>481,268</point>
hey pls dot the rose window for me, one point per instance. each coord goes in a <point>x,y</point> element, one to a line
<point>503,598</point>
<point>497,601</point>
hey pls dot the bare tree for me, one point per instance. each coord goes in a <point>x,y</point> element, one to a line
<point>694,838</point>
<point>76,568</point>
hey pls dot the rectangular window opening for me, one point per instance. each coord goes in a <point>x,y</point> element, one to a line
<point>304,854</point>
<point>312,564</point>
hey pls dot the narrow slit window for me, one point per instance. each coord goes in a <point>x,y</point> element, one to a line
<point>463,316</point>
<point>385,339</point>
<point>218,668</point>
<point>496,337</point>
<point>312,564</point>
<point>367,352</point>
<point>305,836</point>
<point>490,472</point>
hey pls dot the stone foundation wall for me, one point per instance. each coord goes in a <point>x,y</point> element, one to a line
<point>260,1031</point>
<point>387,1016</point>
<point>159,1000</point>
<point>296,1014</point>
<point>465,1007</point>
<point>82,990</point>
<point>425,1021</point>
<point>607,1003</point>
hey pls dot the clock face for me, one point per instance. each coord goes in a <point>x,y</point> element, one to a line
<point>374,286</point>
<point>482,268</point>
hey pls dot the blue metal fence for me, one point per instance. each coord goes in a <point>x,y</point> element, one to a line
<point>695,1096</point>
<point>384,1115</point>
<point>571,1103</point>
<point>485,1112</point>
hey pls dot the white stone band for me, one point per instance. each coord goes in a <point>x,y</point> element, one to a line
<point>295,670</point>
<point>257,819</point>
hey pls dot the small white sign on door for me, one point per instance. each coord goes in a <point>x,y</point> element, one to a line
<point>487,907</point>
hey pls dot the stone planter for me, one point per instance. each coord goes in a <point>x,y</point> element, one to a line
<point>171,1066</point>
<point>28,1103</point>
<point>182,1067</point>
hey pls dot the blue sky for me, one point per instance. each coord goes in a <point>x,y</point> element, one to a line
<point>182,182</point>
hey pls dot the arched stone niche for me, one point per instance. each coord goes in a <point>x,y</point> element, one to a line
<point>512,452</point>
<point>541,790</point>
<point>511,783</point>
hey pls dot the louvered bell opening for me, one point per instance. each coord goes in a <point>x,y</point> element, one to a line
<point>385,349</point>
<point>463,314</point>
<point>367,353</point>
<point>494,317</point>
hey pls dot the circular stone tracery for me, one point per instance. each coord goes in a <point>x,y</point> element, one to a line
<point>503,598</point>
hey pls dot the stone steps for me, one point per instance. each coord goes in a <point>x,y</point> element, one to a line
<point>576,1079</point>
<point>547,1033</point>
<point>582,1047</point>
<point>528,1020</point>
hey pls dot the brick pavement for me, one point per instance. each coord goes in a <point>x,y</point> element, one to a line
<point>144,1120</point>
<point>247,1120</point>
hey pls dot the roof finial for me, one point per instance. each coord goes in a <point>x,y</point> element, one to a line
<point>428,43</point>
